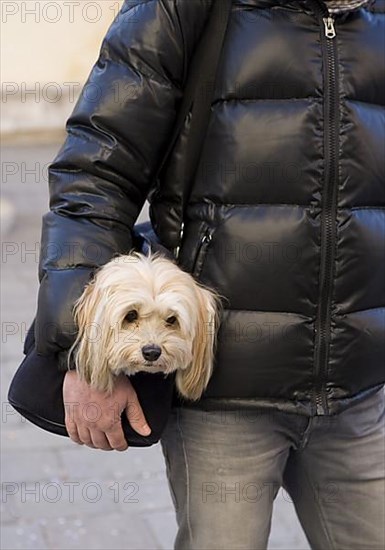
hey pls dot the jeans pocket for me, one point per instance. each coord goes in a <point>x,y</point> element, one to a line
<point>365,416</point>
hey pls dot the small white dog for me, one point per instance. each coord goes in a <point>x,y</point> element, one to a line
<point>144,313</point>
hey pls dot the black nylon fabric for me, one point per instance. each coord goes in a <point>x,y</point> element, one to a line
<point>259,190</point>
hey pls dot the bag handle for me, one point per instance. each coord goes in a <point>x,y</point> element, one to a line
<point>197,96</point>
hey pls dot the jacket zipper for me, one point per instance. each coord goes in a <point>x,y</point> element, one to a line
<point>204,242</point>
<point>328,212</point>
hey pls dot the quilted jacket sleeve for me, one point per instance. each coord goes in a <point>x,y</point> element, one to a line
<point>116,136</point>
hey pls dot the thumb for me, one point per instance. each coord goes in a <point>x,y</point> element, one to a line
<point>135,415</point>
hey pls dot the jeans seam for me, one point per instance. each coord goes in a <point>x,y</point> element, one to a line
<point>169,478</point>
<point>187,477</point>
<point>318,505</point>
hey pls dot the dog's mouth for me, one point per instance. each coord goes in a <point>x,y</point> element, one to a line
<point>141,364</point>
<point>148,367</point>
<point>157,365</point>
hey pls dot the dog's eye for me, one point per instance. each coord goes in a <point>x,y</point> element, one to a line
<point>131,316</point>
<point>171,320</point>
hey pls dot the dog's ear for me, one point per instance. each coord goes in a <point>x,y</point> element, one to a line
<point>89,348</point>
<point>192,381</point>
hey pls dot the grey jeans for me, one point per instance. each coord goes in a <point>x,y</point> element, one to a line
<point>225,468</point>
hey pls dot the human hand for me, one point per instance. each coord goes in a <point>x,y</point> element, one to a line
<point>93,418</point>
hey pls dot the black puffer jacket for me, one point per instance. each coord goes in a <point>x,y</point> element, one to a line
<point>287,213</point>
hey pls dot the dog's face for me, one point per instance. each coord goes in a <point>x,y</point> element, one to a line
<point>146,314</point>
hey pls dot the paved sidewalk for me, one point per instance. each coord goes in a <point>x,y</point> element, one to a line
<point>56,494</point>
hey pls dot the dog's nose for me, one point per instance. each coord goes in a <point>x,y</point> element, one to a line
<point>151,352</point>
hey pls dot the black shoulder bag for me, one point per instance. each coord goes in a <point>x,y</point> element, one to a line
<point>36,390</point>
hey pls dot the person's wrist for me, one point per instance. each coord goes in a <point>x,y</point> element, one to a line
<point>122,380</point>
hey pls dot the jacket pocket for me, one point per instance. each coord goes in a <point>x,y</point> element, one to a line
<point>201,251</point>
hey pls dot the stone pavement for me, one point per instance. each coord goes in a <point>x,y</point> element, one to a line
<point>56,494</point>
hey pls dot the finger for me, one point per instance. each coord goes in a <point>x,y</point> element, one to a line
<point>85,436</point>
<point>136,416</point>
<point>100,440</point>
<point>72,431</point>
<point>116,438</point>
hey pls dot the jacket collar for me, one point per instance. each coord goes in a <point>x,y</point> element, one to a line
<point>300,5</point>
<point>343,6</point>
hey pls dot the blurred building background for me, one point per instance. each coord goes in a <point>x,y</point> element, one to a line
<point>47,49</point>
<point>55,494</point>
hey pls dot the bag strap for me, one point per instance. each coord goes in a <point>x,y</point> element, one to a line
<point>197,96</point>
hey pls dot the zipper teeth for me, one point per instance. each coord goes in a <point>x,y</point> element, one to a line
<point>203,243</point>
<point>327,265</point>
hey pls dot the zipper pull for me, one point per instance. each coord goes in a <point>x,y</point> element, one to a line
<point>319,409</point>
<point>177,248</point>
<point>330,31</point>
<point>207,236</point>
